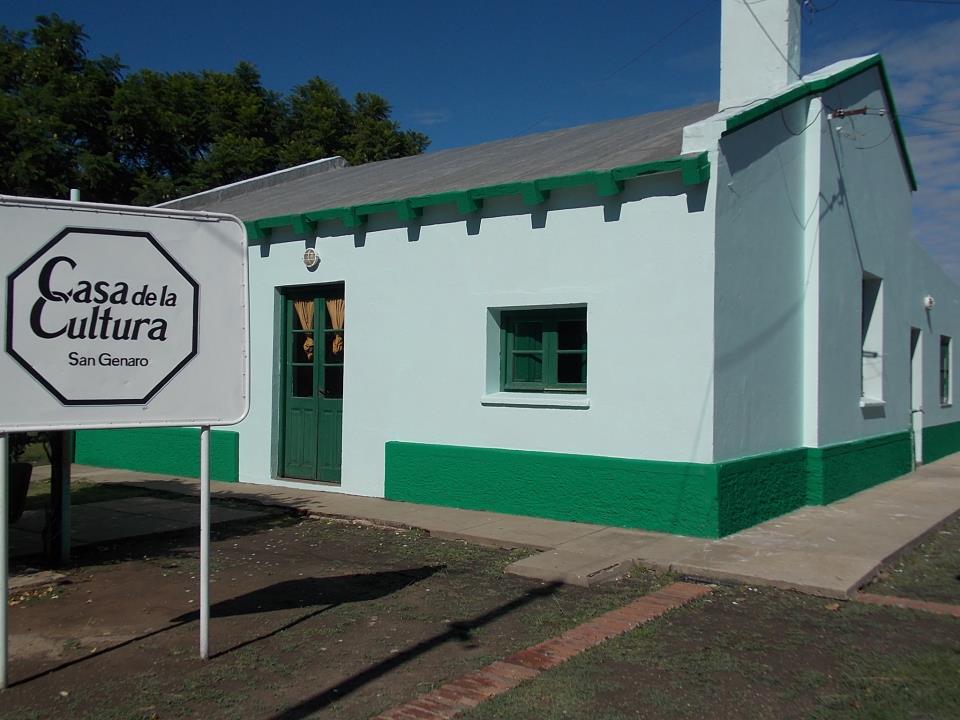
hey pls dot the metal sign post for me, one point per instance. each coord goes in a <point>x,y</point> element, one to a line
<point>4,553</point>
<point>204,541</point>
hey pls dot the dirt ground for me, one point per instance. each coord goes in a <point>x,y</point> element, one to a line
<point>315,618</point>
<point>310,618</point>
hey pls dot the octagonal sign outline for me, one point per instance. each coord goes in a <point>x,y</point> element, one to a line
<point>104,401</point>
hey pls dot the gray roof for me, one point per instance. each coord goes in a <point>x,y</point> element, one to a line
<point>599,146</point>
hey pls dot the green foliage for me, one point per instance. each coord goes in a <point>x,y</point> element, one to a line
<point>29,447</point>
<point>145,137</point>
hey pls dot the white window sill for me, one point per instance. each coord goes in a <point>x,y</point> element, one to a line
<point>518,399</point>
<point>866,402</point>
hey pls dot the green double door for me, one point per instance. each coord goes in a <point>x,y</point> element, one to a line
<point>313,354</point>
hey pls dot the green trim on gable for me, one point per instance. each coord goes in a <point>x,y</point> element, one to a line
<point>816,87</point>
<point>694,170</point>
<point>166,451</point>
<point>700,499</point>
<point>940,441</point>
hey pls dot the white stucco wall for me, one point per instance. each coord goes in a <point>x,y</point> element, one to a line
<point>417,326</point>
<point>760,286</point>
<point>865,227</point>
<point>805,207</point>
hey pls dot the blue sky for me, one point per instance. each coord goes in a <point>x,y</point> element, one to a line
<point>467,72</point>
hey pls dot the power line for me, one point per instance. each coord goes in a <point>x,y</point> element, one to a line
<point>794,70</point>
<point>814,9</point>
<point>659,40</point>
<point>923,118</point>
<point>636,57</point>
<point>930,2</point>
<point>806,127</point>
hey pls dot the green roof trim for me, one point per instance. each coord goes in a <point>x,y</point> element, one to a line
<point>821,85</point>
<point>694,170</point>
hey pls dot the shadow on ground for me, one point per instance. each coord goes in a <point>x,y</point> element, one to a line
<point>318,594</point>
<point>458,631</point>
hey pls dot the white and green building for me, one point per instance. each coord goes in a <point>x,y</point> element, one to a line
<point>688,321</point>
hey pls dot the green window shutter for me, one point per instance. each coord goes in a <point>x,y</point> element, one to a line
<point>544,350</point>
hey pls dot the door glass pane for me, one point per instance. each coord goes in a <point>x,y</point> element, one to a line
<point>572,334</point>
<point>333,347</point>
<point>333,381</point>
<point>528,336</point>
<point>527,367</point>
<point>572,368</point>
<point>302,348</point>
<point>302,381</point>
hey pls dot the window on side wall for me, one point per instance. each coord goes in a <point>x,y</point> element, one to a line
<point>946,367</point>
<point>871,340</point>
<point>544,350</point>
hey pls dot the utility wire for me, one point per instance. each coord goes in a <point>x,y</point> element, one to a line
<point>813,9</point>
<point>923,118</point>
<point>636,57</point>
<point>806,127</point>
<point>930,2</point>
<point>659,40</point>
<point>794,70</point>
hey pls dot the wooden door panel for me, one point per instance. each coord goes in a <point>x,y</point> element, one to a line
<point>300,443</point>
<point>330,440</point>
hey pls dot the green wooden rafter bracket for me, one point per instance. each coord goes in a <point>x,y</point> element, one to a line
<point>693,169</point>
<point>607,185</point>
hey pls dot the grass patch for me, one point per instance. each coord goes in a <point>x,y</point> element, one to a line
<point>931,571</point>
<point>741,653</point>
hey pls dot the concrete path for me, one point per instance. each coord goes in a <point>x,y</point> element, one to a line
<point>829,551</point>
<point>116,519</point>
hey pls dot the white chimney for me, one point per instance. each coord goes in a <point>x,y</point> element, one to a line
<point>759,49</point>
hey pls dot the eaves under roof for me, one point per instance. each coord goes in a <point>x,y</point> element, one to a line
<point>603,155</point>
<point>600,154</point>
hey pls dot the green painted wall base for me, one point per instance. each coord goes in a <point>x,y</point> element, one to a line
<point>940,441</point>
<point>705,500</point>
<point>167,451</point>
<point>837,471</point>
<point>670,497</point>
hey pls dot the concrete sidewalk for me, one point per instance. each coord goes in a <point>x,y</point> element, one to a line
<point>829,551</point>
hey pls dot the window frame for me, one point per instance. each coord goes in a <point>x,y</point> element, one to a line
<point>946,371</point>
<point>549,319</point>
<point>872,376</point>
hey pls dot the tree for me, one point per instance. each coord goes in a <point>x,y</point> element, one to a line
<point>69,121</point>
<point>55,112</point>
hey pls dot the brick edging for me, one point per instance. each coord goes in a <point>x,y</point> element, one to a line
<point>909,603</point>
<point>498,677</point>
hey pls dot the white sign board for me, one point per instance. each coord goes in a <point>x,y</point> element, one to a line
<point>115,316</point>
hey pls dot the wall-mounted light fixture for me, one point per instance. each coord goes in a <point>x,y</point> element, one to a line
<point>310,258</point>
<point>928,302</point>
